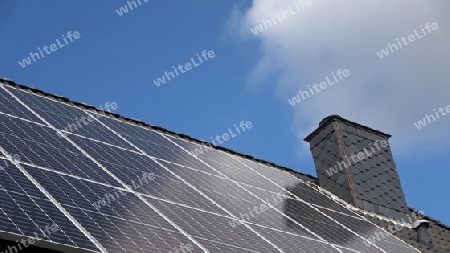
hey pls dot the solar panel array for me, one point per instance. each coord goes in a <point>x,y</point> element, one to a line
<point>114,186</point>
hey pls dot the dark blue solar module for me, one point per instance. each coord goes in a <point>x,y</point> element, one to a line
<point>125,220</point>
<point>213,227</point>
<point>155,145</point>
<point>113,186</point>
<point>27,211</point>
<point>144,175</point>
<point>11,106</point>
<point>68,118</point>
<point>40,145</point>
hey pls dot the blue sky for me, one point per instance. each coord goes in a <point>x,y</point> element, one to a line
<point>251,76</point>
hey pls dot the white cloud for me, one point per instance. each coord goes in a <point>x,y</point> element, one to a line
<point>388,94</point>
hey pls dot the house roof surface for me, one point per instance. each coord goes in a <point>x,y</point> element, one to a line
<point>81,179</point>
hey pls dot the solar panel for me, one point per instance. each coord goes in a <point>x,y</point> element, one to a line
<point>229,167</point>
<point>383,239</point>
<point>37,145</point>
<point>154,145</point>
<point>93,183</point>
<point>123,212</point>
<point>292,242</point>
<point>295,186</point>
<point>239,202</point>
<point>68,118</point>
<point>213,228</point>
<point>26,211</point>
<point>10,106</point>
<point>130,168</point>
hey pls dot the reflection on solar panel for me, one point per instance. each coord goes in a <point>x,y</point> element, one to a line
<point>93,184</point>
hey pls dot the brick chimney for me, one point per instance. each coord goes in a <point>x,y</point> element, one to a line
<point>355,163</point>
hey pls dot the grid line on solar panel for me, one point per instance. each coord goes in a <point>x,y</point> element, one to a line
<point>312,195</point>
<point>171,222</point>
<point>46,150</point>
<point>226,173</point>
<point>10,106</point>
<point>76,204</point>
<point>33,208</point>
<point>263,201</point>
<point>297,186</point>
<point>316,221</point>
<point>63,116</point>
<point>229,217</point>
<point>111,174</point>
<point>71,184</point>
<point>224,165</point>
<point>157,162</point>
<point>61,186</point>
<point>55,203</point>
<point>213,202</point>
<point>364,227</point>
<point>223,248</point>
<point>292,242</point>
<point>130,168</point>
<point>361,238</point>
<point>152,143</point>
<point>75,164</point>
<point>266,219</point>
<point>292,207</point>
<point>214,227</point>
<point>42,134</point>
<point>181,179</point>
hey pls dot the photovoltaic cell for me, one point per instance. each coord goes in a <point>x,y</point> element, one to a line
<point>134,170</point>
<point>155,145</point>
<point>69,118</point>
<point>226,165</point>
<point>26,215</point>
<point>294,243</point>
<point>124,224</point>
<point>315,221</point>
<point>295,186</point>
<point>292,207</point>
<point>241,203</point>
<point>9,105</point>
<point>213,228</point>
<point>369,231</point>
<point>44,149</point>
<point>223,248</point>
<point>33,132</point>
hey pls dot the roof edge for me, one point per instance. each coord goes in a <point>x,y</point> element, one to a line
<point>153,127</point>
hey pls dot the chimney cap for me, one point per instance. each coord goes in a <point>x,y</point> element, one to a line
<point>418,223</point>
<point>335,117</point>
<point>324,120</point>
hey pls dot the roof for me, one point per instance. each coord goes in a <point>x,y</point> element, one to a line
<point>196,201</point>
<point>440,233</point>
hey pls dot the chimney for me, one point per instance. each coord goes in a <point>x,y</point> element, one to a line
<point>423,237</point>
<point>355,163</point>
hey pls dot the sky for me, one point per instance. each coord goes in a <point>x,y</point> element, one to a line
<point>248,74</point>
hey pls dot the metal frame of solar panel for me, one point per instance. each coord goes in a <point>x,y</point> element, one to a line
<point>85,181</point>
